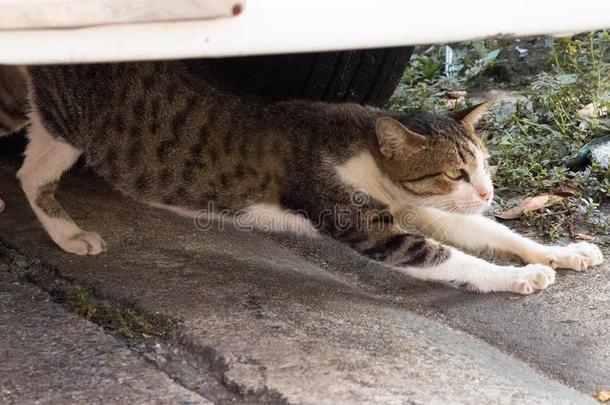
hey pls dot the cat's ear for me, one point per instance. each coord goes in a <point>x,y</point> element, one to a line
<point>395,138</point>
<point>471,115</point>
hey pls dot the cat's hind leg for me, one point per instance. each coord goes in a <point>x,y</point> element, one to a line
<point>273,218</point>
<point>46,158</point>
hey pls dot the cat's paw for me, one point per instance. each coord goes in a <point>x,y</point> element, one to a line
<point>2,205</point>
<point>576,256</point>
<point>83,243</point>
<point>531,278</point>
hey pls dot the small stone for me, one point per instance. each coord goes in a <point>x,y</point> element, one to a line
<point>150,357</point>
<point>592,110</point>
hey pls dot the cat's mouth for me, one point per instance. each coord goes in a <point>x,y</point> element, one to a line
<point>466,208</point>
<point>473,209</point>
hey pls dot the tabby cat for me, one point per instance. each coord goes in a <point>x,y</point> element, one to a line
<point>405,190</point>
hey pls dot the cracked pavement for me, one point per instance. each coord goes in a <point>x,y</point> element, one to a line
<point>275,319</point>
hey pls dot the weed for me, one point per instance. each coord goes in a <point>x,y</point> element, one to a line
<point>125,321</point>
<point>533,138</point>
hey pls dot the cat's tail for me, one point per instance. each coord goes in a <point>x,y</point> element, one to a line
<point>14,103</point>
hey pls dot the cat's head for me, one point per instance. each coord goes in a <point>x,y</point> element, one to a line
<point>437,161</point>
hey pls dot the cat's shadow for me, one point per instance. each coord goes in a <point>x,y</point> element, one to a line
<point>371,277</point>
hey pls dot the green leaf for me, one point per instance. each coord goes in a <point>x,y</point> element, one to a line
<point>567,78</point>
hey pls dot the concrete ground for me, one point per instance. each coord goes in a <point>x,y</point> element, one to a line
<point>258,319</point>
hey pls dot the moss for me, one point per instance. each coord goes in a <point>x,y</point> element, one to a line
<point>124,321</point>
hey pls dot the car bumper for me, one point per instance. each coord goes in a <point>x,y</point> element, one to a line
<point>281,26</point>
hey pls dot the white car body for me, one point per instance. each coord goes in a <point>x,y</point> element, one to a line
<point>70,31</point>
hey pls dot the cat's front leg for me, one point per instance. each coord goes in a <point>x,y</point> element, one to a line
<point>427,259</point>
<point>575,256</point>
<point>478,233</point>
<point>481,275</point>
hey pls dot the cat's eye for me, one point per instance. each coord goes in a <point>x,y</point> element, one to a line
<point>455,174</point>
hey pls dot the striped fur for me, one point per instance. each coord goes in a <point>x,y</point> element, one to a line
<point>360,175</point>
<point>14,104</point>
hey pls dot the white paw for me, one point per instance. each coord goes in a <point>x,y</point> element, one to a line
<point>2,205</point>
<point>576,256</point>
<point>531,278</point>
<point>83,243</point>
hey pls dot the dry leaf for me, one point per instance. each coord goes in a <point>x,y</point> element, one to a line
<point>530,204</point>
<point>456,94</point>
<point>602,396</point>
<point>584,236</point>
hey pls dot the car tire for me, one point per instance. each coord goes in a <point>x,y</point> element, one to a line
<point>362,76</point>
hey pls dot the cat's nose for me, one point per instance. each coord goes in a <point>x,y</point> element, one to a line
<point>485,194</point>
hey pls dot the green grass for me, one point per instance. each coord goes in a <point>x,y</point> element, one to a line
<point>533,139</point>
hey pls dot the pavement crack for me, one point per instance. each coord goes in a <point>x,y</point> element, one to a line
<point>239,374</point>
<point>158,339</point>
